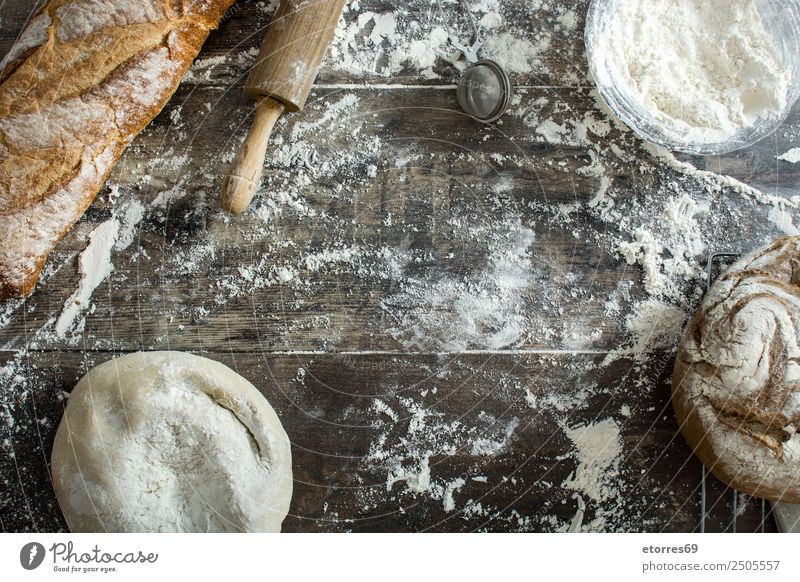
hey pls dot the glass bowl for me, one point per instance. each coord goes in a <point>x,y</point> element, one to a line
<point>781,20</point>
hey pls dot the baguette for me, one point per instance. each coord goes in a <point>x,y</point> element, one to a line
<point>84,78</point>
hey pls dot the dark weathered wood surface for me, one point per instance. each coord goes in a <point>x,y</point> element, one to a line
<point>322,352</point>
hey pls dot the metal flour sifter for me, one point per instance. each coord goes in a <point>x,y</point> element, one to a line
<point>484,88</point>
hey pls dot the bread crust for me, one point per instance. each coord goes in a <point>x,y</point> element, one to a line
<point>736,382</point>
<point>84,78</point>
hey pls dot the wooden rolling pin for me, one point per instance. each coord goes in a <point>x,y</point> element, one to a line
<point>287,65</point>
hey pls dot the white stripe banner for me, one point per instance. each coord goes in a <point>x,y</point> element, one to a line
<point>389,557</point>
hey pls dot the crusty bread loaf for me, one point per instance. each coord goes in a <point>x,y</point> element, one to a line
<point>736,385</point>
<point>82,80</point>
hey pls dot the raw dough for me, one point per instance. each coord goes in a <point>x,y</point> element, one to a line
<point>736,385</point>
<point>166,442</point>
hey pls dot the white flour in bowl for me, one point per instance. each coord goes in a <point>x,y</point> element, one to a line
<point>703,70</point>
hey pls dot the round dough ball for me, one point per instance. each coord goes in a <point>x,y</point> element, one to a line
<point>170,442</point>
<point>736,384</point>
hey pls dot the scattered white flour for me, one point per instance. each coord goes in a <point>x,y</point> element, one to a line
<point>784,220</point>
<point>652,326</point>
<point>719,182</point>
<point>703,70</point>
<point>792,156</point>
<point>415,42</point>
<point>409,461</point>
<point>448,502</point>
<point>94,266</point>
<point>681,239</point>
<point>128,216</point>
<point>483,310</point>
<point>577,521</point>
<point>598,447</point>
<point>370,43</point>
<point>518,55</point>
<point>489,447</point>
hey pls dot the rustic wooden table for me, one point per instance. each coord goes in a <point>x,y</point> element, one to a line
<point>438,310</point>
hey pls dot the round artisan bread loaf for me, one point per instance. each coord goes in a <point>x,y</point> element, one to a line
<point>736,384</point>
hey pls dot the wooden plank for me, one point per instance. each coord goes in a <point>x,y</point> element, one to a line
<point>177,283</point>
<point>341,466</point>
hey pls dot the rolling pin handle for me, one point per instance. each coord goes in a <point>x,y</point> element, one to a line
<point>244,176</point>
